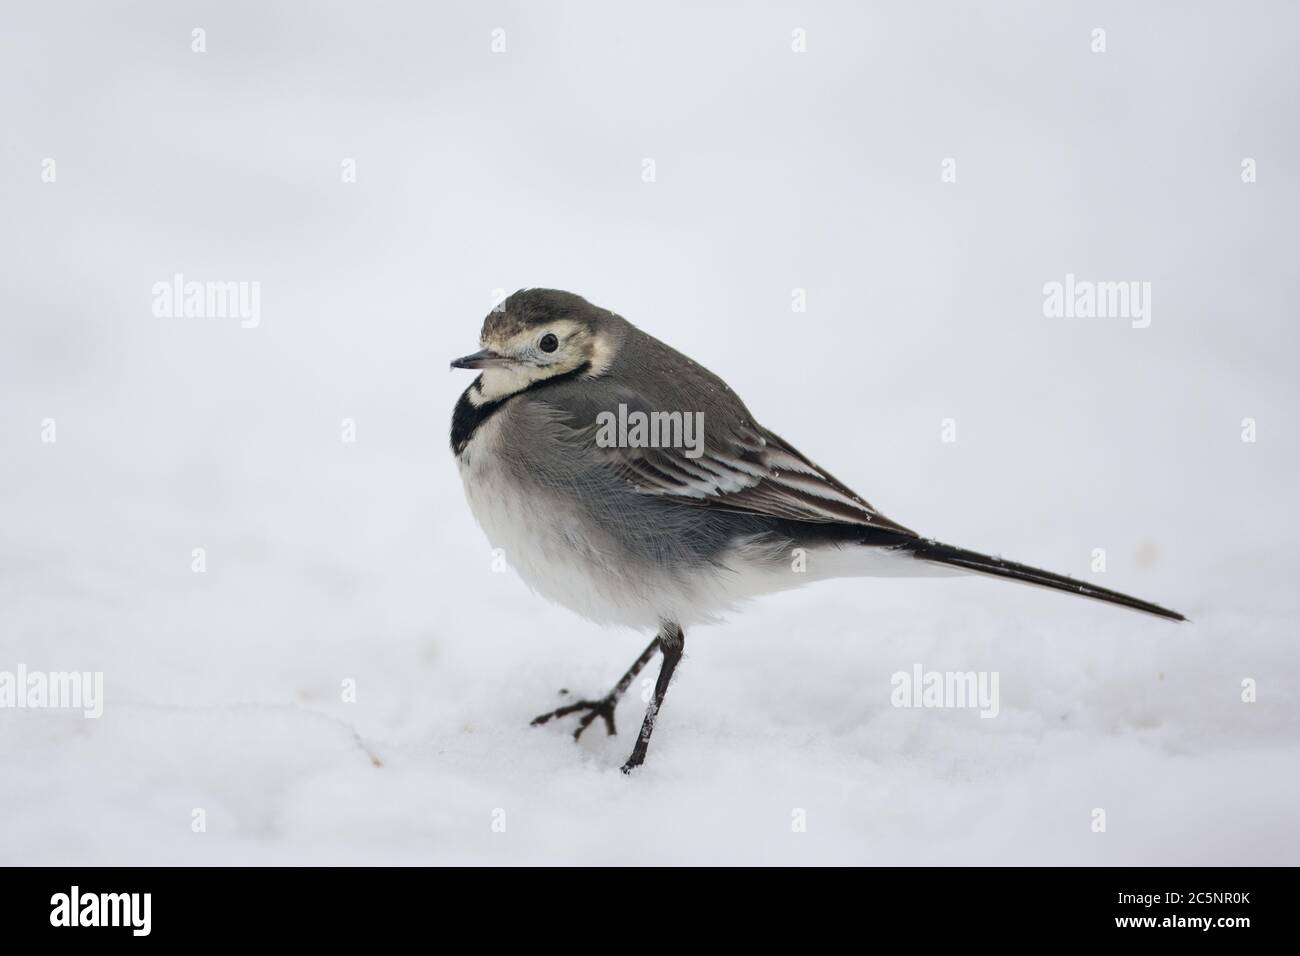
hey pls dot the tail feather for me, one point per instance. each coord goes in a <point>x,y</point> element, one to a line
<point>953,557</point>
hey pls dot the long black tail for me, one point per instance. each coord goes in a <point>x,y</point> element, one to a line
<point>946,554</point>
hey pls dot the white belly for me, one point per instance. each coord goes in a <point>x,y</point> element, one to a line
<point>557,558</point>
<point>548,549</point>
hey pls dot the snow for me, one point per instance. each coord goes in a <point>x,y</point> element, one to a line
<point>329,562</point>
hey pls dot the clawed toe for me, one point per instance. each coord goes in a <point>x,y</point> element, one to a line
<point>603,708</point>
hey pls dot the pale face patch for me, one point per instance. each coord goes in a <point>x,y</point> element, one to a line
<point>577,345</point>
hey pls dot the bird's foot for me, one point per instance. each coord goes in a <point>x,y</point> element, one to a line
<point>603,708</point>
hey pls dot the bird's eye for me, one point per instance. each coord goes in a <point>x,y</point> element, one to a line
<point>549,343</point>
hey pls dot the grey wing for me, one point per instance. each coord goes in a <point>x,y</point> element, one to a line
<point>755,472</point>
<point>739,466</point>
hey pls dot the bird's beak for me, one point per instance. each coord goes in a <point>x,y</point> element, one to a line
<point>485,358</point>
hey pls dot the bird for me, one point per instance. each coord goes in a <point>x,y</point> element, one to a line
<point>660,528</point>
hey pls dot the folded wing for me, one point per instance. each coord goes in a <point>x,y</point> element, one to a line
<point>747,468</point>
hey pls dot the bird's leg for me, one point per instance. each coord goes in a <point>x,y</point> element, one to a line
<point>603,708</point>
<point>672,639</point>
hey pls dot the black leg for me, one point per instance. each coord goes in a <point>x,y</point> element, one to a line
<point>672,640</point>
<point>603,708</point>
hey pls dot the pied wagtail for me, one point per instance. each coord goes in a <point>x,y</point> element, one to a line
<point>651,534</point>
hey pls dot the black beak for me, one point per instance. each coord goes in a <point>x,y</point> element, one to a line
<point>482,359</point>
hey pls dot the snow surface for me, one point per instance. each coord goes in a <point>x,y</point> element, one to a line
<point>329,562</point>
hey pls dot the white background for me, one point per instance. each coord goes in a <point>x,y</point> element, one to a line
<point>775,170</point>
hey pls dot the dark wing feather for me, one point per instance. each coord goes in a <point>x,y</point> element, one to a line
<point>749,470</point>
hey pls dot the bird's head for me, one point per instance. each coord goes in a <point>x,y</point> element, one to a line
<point>537,334</point>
